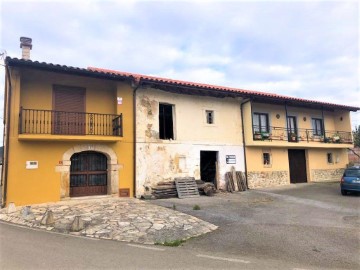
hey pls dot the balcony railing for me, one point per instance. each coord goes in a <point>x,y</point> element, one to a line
<point>34,121</point>
<point>301,135</point>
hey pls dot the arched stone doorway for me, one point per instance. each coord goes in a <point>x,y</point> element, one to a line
<point>112,186</point>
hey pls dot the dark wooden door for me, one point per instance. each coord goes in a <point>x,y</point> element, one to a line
<point>297,165</point>
<point>88,174</point>
<point>69,110</point>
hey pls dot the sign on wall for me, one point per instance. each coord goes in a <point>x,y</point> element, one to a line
<point>230,159</point>
<point>32,165</point>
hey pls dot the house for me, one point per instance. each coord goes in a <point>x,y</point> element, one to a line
<point>290,140</point>
<point>191,129</point>
<point>185,129</point>
<point>68,132</point>
<point>73,132</point>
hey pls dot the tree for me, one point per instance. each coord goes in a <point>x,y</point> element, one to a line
<point>356,134</point>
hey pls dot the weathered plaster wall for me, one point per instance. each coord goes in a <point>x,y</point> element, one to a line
<point>162,160</point>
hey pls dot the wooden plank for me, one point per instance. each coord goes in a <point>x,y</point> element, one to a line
<point>186,187</point>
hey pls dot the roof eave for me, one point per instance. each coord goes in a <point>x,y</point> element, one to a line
<point>14,62</point>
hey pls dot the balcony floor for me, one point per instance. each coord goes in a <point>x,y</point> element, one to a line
<point>83,138</point>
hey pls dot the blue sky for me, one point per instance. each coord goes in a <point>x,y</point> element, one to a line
<point>306,49</point>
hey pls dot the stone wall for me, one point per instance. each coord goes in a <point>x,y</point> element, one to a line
<point>322,175</point>
<point>260,179</point>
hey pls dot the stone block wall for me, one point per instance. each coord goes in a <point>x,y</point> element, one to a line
<point>322,175</point>
<point>260,179</point>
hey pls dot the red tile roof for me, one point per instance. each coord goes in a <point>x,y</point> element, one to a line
<point>241,92</point>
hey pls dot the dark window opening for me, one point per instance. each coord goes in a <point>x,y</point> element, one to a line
<point>166,126</point>
<point>209,117</point>
<point>317,126</point>
<point>266,159</point>
<point>330,158</point>
<point>261,122</point>
<point>208,161</point>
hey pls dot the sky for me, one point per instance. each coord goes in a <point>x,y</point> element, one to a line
<point>305,49</point>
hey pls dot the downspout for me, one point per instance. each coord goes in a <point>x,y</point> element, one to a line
<point>287,124</point>
<point>7,135</point>
<point>323,121</point>
<point>243,137</point>
<point>136,86</point>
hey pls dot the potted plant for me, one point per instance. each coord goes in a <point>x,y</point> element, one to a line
<point>265,135</point>
<point>257,135</point>
<point>292,137</point>
<point>336,138</point>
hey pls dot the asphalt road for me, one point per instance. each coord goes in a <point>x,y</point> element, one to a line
<point>24,248</point>
<point>307,224</point>
<point>268,229</point>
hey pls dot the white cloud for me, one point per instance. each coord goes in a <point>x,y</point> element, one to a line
<point>308,49</point>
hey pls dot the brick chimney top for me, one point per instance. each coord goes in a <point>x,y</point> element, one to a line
<point>26,46</point>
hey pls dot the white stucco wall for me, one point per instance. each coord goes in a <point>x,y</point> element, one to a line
<point>163,160</point>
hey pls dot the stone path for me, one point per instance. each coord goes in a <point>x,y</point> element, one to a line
<point>119,219</point>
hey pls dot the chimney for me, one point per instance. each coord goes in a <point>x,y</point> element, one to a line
<point>26,46</point>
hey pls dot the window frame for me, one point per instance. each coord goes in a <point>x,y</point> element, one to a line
<point>166,136</point>
<point>207,119</point>
<point>315,122</point>
<point>260,126</point>
<point>330,158</point>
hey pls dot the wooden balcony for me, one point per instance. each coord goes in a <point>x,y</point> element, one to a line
<point>49,122</point>
<point>301,135</point>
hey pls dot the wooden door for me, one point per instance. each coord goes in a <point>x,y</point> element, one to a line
<point>68,115</point>
<point>297,165</point>
<point>88,174</point>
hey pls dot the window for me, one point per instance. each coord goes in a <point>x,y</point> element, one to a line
<point>317,125</point>
<point>330,159</point>
<point>292,124</point>
<point>261,122</point>
<point>266,159</point>
<point>209,117</point>
<point>166,126</point>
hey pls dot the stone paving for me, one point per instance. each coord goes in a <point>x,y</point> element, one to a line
<point>130,220</point>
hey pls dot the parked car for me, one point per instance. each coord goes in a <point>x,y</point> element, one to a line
<point>350,182</point>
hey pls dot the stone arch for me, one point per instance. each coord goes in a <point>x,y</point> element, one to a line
<point>113,167</point>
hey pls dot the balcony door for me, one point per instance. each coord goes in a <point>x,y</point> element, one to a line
<point>292,124</point>
<point>68,116</point>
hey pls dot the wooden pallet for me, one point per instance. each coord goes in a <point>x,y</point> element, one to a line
<point>186,187</point>
<point>240,181</point>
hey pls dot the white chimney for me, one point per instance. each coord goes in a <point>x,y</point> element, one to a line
<point>26,46</point>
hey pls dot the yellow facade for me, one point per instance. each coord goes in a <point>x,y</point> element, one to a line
<point>324,160</point>
<point>32,89</point>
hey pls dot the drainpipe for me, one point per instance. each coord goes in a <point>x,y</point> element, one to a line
<point>323,121</point>
<point>243,137</point>
<point>136,86</point>
<point>287,124</point>
<point>6,136</point>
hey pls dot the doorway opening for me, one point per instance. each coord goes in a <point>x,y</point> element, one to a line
<point>208,161</point>
<point>297,166</point>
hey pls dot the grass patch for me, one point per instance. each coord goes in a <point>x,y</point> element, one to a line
<point>174,207</point>
<point>196,207</point>
<point>174,243</point>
